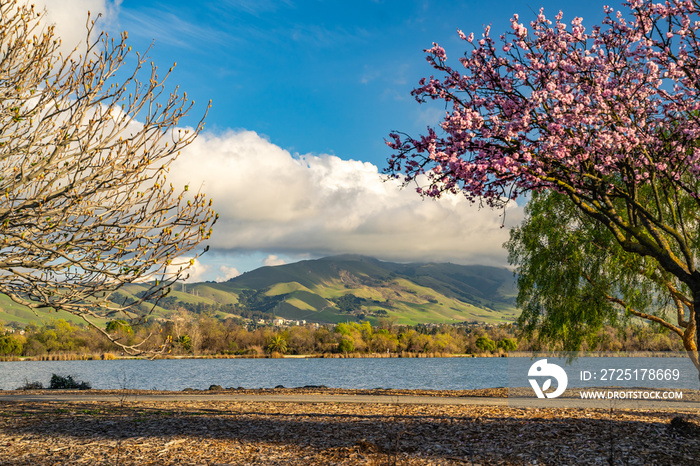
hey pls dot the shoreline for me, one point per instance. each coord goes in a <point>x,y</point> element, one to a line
<point>497,392</point>
<point>514,354</point>
<point>115,357</point>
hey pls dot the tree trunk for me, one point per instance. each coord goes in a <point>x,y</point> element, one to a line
<point>693,326</point>
<point>690,344</point>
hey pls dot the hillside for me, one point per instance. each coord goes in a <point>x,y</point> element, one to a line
<point>340,288</point>
<point>345,288</point>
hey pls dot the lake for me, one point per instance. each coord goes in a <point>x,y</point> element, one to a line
<point>361,373</point>
<point>177,374</point>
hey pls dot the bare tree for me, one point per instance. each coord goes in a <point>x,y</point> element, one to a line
<point>85,206</point>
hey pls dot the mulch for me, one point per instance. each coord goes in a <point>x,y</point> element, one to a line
<point>128,431</point>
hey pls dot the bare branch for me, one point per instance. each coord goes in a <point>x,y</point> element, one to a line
<point>85,206</point>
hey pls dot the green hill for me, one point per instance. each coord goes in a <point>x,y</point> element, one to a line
<point>10,311</point>
<point>349,287</point>
<point>343,288</point>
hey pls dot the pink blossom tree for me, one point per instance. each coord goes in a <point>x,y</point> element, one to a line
<point>608,117</point>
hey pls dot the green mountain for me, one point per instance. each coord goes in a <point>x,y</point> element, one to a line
<point>349,287</point>
<point>343,288</point>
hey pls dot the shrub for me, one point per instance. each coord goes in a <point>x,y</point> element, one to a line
<point>59,382</point>
<point>347,345</point>
<point>507,344</point>
<point>31,385</point>
<point>185,342</point>
<point>10,344</point>
<point>485,344</point>
<point>114,326</point>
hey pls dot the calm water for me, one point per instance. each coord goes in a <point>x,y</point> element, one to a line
<point>176,374</point>
<point>401,373</point>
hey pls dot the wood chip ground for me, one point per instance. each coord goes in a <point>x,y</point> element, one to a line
<point>127,431</point>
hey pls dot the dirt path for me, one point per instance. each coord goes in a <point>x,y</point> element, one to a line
<point>395,397</point>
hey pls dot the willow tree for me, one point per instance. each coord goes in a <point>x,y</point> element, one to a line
<point>85,206</point>
<point>574,278</point>
<point>607,117</point>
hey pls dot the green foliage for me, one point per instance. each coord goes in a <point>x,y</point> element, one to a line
<point>343,329</point>
<point>346,345</point>
<point>349,302</point>
<point>366,330</point>
<point>507,344</point>
<point>10,344</point>
<point>486,344</point>
<point>573,276</point>
<point>185,342</point>
<point>447,343</point>
<point>67,382</point>
<point>55,336</point>
<point>119,326</point>
<point>277,344</point>
<point>384,341</point>
<point>257,300</point>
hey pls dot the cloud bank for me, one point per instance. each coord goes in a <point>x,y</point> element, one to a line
<point>272,201</point>
<point>70,18</point>
<point>277,203</point>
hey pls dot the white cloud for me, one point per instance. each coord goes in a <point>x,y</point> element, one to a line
<point>273,260</point>
<point>272,201</point>
<point>70,17</point>
<point>197,272</point>
<point>227,273</point>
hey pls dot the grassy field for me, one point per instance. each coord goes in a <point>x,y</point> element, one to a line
<point>10,311</point>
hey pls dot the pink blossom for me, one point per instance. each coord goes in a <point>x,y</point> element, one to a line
<point>550,106</point>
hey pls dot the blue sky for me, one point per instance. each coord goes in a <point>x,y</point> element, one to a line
<point>303,94</point>
<point>315,76</point>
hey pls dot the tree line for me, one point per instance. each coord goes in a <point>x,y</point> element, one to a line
<point>206,335</point>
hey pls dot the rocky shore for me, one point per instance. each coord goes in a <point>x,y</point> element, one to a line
<point>130,431</point>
